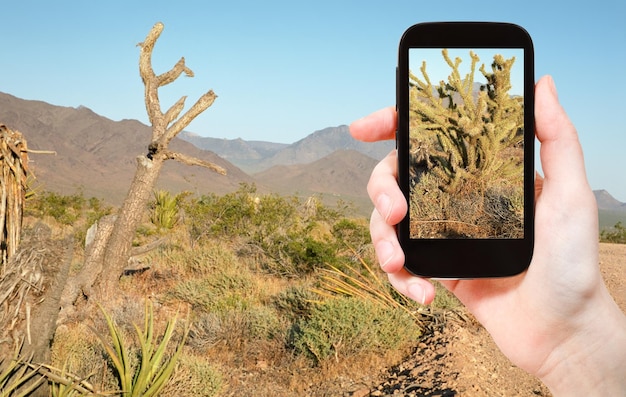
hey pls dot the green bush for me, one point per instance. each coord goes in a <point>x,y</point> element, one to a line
<point>218,292</point>
<point>344,326</point>
<point>307,253</point>
<point>295,302</point>
<point>283,235</point>
<point>615,235</point>
<point>64,209</point>
<point>351,232</point>
<point>220,216</point>
<point>72,209</point>
<point>214,280</point>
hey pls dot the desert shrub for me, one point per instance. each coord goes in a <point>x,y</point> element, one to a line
<point>211,278</point>
<point>236,326</point>
<point>617,234</point>
<point>444,299</point>
<point>200,261</point>
<point>295,301</point>
<point>352,232</point>
<point>206,330</point>
<point>262,322</point>
<point>220,216</point>
<point>283,235</point>
<point>344,326</point>
<point>307,254</point>
<point>74,210</point>
<point>64,209</point>
<point>78,350</point>
<point>194,377</point>
<point>211,294</point>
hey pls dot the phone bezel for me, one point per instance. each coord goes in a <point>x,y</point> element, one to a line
<point>466,258</point>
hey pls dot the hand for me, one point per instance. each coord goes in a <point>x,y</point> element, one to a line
<point>555,319</point>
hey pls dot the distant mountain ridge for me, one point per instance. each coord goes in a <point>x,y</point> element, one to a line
<point>607,202</point>
<point>265,155</point>
<point>343,172</point>
<point>244,154</point>
<point>97,156</point>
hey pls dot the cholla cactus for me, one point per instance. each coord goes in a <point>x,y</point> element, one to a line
<point>469,131</point>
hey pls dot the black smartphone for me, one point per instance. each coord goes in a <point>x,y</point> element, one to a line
<point>465,141</point>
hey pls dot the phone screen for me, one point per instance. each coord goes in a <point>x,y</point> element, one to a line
<point>465,140</point>
<point>466,143</point>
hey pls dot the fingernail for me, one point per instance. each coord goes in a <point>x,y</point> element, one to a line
<point>383,206</point>
<point>385,253</point>
<point>417,293</point>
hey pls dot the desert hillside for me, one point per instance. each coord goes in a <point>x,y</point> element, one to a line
<point>97,155</point>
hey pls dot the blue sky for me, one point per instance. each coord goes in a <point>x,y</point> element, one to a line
<point>283,69</point>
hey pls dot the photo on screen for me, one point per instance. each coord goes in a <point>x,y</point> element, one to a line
<point>466,143</point>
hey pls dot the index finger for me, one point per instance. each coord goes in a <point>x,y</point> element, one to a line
<point>378,126</point>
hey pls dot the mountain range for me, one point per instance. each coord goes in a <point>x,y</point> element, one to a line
<point>256,156</point>
<point>96,156</point>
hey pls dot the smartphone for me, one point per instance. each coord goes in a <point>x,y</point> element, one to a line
<point>465,142</point>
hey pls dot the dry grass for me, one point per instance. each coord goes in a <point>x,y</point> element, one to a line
<point>241,316</point>
<point>77,349</point>
<point>474,210</point>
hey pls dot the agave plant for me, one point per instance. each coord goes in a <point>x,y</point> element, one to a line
<point>164,210</point>
<point>154,369</point>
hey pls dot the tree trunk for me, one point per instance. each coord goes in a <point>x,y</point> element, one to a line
<point>108,256</point>
<point>120,242</point>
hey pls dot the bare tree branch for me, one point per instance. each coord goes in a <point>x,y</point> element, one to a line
<point>148,77</point>
<point>158,119</point>
<point>202,104</point>
<point>174,73</point>
<point>175,110</point>
<point>183,158</point>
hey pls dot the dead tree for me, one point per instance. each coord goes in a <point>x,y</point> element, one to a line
<point>13,174</point>
<point>114,248</point>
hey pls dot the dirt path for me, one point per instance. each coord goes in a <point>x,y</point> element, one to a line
<point>462,360</point>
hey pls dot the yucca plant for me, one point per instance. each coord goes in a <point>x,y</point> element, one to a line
<point>15,375</point>
<point>164,210</point>
<point>154,369</point>
<point>64,384</point>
